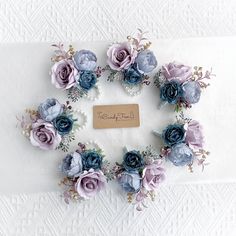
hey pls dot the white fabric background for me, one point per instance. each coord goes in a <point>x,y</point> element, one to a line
<point>204,209</point>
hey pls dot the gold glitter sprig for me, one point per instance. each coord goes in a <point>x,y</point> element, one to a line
<point>129,197</point>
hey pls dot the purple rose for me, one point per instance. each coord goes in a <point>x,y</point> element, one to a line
<point>153,175</point>
<point>121,56</point>
<point>44,135</point>
<point>176,71</point>
<point>90,183</point>
<point>194,135</point>
<point>63,74</point>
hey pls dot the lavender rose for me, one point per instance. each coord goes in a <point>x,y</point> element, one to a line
<point>44,135</point>
<point>121,56</point>
<point>153,175</point>
<point>50,109</point>
<point>85,60</point>
<point>194,135</point>
<point>63,74</point>
<point>90,183</point>
<point>176,71</point>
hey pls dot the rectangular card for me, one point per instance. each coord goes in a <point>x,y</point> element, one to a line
<point>116,116</point>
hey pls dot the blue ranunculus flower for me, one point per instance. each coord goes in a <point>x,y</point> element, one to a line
<point>181,155</point>
<point>130,182</point>
<point>146,61</point>
<point>173,134</point>
<point>50,109</point>
<point>85,60</point>
<point>133,161</point>
<point>72,165</point>
<point>191,92</point>
<point>91,160</point>
<point>63,124</point>
<point>132,76</point>
<point>171,92</point>
<point>87,80</point>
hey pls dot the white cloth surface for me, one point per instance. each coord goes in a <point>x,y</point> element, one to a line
<point>201,209</point>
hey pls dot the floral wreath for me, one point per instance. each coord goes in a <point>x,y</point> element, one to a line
<point>181,85</point>
<point>53,125</point>
<point>86,172</point>
<point>130,62</point>
<point>75,71</point>
<point>184,142</point>
<point>140,174</point>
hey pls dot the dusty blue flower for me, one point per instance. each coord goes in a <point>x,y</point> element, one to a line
<point>50,109</point>
<point>85,60</point>
<point>91,160</point>
<point>146,61</point>
<point>173,134</point>
<point>133,161</point>
<point>132,76</point>
<point>171,92</point>
<point>130,182</point>
<point>63,124</point>
<point>72,165</point>
<point>191,92</point>
<point>87,80</point>
<point>181,155</point>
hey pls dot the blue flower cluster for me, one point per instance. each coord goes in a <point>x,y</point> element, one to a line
<point>133,164</point>
<point>145,62</point>
<point>73,164</point>
<point>85,61</point>
<point>173,92</point>
<point>52,111</point>
<point>174,137</point>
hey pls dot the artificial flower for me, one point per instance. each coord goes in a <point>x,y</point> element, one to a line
<point>72,165</point>
<point>44,135</point>
<point>130,182</point>
<point>133,161</point>
<point>146,61</point>
<point>63,74</point>
<point>85,60</point>
<point>50,109</point>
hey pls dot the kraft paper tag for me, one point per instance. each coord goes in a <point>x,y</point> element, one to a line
<point>116,116</point>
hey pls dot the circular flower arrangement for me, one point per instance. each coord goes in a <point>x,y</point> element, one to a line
<point>75,71</point>
<point>86,172</point>
<point>130,62</point>
<point>181,85</point>
<point>139,175</point>
<point>52,125</point>
<point>183,143</point>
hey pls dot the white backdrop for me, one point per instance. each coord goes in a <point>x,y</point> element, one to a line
<point>203,209</point>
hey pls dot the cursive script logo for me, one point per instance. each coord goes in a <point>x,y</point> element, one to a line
<point>120,116</point>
